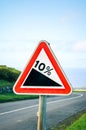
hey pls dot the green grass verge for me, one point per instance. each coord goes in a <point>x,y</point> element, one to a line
<point>4,83</point>
<point>65,124</point>
<point>80,124</point>
<point>80,90</point>
<point>8,73</point>
<point>13,97</point>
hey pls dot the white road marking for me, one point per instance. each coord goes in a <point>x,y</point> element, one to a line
<point>19,121</point>
<point>80,95</point>
<point>16,110</point>
<point>24,108</point>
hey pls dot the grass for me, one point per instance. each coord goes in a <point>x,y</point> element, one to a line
<point>4,83</point>
<point>4,67</point>
<point>80,90</point>
<point>80,124</point>
<point>8,73</point>
<point>8,76</point>
<point>13,97</point>
<point>67,123</point>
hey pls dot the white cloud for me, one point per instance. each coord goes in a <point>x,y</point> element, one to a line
<point>17,53</point>
<point>63,19</point>
<point>80,46</point>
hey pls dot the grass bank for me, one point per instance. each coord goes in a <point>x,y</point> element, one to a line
<point>8,74</point>
<point>4,83</point>
<point>13,97</point>
<point>68,124</point>
<point>8,77</point>
<point>79,124</point>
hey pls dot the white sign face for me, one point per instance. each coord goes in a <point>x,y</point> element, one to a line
<point>44,66</point>
<point>42,74</point>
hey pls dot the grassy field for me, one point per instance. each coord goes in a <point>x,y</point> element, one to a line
<point>13,97</point>
<point>69,123</point>
<point>4,83</point>
<point>80,124</point>
<point>8,77</point>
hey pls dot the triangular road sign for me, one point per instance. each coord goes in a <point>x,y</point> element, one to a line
<point>43,74</point>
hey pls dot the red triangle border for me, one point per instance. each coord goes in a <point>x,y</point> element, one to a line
<point>43,91</point>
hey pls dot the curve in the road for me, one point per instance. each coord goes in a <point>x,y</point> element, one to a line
<point>49,102</point>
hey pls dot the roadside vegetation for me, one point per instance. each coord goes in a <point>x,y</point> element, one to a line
<point>8,73</point>
<point>80,90</point>
<point>8,77</point>
<point>6,97</point>
<point>75,122</point>
<point>79,124</point>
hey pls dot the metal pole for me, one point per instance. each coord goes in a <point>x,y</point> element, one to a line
<point>42,113</point>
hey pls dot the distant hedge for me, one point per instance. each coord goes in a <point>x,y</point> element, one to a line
<point>9,74</point>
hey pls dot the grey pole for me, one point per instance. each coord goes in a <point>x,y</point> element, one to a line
<point>42,113</point>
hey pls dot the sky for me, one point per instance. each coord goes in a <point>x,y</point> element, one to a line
<point>24,23</point>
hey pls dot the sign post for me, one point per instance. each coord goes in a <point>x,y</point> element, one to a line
<point>42,113</point>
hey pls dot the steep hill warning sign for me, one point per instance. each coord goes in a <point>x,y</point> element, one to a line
<point>43,74</point>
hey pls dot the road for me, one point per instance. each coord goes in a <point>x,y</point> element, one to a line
<point>22,115</point>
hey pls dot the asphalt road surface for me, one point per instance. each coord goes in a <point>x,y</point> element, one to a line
<point>22,115</point>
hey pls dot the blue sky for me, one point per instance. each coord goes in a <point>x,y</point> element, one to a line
<point>23,23</point>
